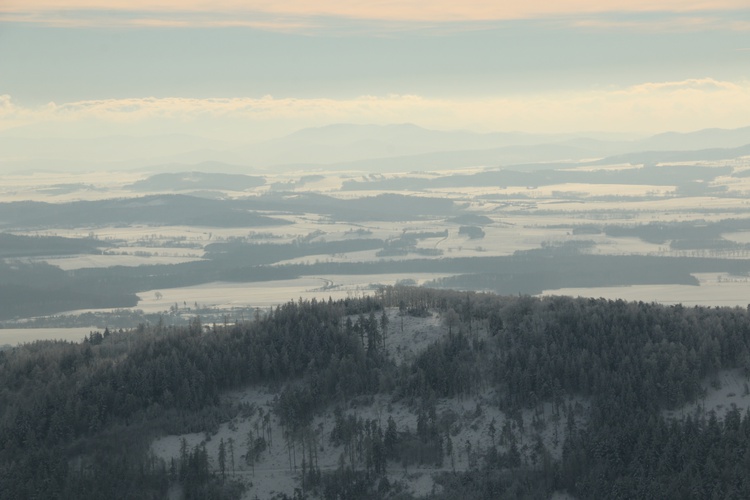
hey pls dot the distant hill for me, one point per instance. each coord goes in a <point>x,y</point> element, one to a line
<point>651,157</point>
<point>13,245</point>
<point>709,138</point>
<point>347,143</point>
<point>187,181</point>
<point>407,147</point>
<point>458,159</point>
<point>158,210</point>
<point>370,147</point>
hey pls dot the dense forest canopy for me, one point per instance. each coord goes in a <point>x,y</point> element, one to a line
<point>76,419</point>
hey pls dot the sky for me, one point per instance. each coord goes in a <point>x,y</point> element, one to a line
<point>255,69</point>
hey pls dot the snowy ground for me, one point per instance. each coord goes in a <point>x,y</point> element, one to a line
<point>271,293</point>
<point>471,417</point>
<point>14,336</point>
<point>274,473</point>
<point>730,388</point>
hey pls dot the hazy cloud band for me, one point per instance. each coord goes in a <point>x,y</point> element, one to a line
<point>683,105</point>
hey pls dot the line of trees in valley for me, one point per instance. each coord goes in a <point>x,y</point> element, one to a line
<point>35,289</point>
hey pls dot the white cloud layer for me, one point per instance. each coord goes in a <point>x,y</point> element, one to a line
<point>646,108</point>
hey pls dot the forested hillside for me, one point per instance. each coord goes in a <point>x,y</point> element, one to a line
<point>76,420</point>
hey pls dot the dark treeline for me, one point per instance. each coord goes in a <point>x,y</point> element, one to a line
<point>631,360</point>
<point>180,314</point>
<point>269,253</point>
<point>56,291</point>
<point>665,175</point>
<point>386,206</point>
<point>166,210</point>
<point>533,274</point>
<point>533,271</point>
<point>697,457</point>
<point>13,245</point>
<point>177,210</point>
<point>35,289</point>
<point>530,271</point>
<point>693,231</point>
<point>182,181</point>
<point>65,402</point>
<point>76,419</point>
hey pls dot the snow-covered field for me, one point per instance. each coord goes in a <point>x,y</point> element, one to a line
<point>278,471</point>
<point>14,336</point>
<point>522,219</point>
<point>107,260</point>
<point>271,293</point>
<point>716,289</point>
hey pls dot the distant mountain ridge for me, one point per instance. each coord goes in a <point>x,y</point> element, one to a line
<point>378,147</point>
<point>652,157</point>
<point>341,143</point>
<point>710,138</point>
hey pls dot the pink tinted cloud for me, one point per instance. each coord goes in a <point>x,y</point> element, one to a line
<point>389,10</point>
<point>682,24</point>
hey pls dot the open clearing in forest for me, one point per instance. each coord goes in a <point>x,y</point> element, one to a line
<point>726,390</point>
<point>279,469</point>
